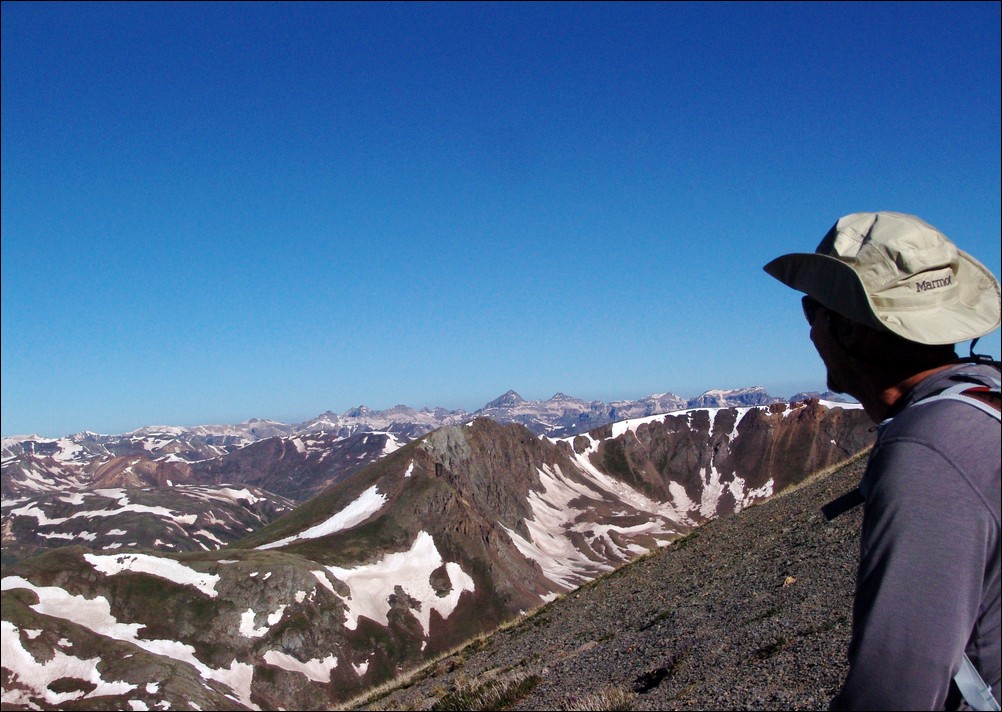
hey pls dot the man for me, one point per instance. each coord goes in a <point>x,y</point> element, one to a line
<point>887,298</point>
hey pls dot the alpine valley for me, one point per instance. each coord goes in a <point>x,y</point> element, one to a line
<point>266,566</point>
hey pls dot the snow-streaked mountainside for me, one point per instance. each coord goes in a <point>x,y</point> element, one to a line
<point>435,542</point>
<point>284,462</point>
<point>49,502</point>
<point>175,519</point>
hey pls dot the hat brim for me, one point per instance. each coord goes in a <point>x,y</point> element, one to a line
<point>975,312</point>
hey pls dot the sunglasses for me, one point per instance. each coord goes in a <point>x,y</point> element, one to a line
<point>811,307</point>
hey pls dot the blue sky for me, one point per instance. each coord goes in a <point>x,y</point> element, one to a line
<point>214,212</point>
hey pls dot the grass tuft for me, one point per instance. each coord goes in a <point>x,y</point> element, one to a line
<point>492,695</point>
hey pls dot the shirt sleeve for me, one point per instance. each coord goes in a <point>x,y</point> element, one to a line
<point>923,550</point>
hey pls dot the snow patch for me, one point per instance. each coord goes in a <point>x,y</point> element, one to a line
<point>37,676</point>
<point>324,581</point>
<point>371,585</point>
<point>391,445</point>
<point>318,670</point>
<point>554,520</point>
<point>247,628</point>
<point>168,569</point>
<point>95,614</point>
<point>367,504</point>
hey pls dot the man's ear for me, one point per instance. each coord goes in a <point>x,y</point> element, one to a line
<point>853,337</point>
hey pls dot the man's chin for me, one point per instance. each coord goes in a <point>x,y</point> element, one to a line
<point>833,385</point>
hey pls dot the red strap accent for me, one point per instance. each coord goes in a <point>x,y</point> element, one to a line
<point>985,395</point>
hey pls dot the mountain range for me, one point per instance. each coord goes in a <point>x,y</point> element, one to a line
<point>558,416</point>
<point>162,454</point>
<point>431,543</point>
<point>172,472</point>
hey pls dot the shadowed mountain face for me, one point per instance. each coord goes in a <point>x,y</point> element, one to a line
<point>444,538</point>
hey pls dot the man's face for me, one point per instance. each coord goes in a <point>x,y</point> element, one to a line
<point>833,356</point>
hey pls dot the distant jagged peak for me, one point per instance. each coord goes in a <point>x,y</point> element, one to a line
<point>562,397</point>
<point>440,412</point>
<point>328,416</point>
<point>361,411</point>
<point>510,399</point>
<point>734,391</point>
<point>328,420</point>
<point>828,396</point>
<point>663,398</point>
<point>721,398</point>
<point>400,409</point>
<point>400,413</point>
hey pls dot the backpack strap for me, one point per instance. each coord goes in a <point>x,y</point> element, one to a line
<point>851,499</point>
<point>988,399</point>
<point>974,689</point>
<point>984,398</point>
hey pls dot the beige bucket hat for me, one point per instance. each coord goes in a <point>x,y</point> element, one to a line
<point>896,272</point>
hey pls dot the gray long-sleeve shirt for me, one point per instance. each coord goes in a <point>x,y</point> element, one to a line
<point>928,582</point>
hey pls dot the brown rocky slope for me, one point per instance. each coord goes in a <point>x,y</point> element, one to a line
<point>748,612</point>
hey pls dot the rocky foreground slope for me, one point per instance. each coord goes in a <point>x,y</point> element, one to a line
<point>748,612</point>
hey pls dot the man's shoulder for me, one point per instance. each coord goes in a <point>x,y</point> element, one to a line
<point>933,411</point>
<point>947,426</point>
<point>974,375</point>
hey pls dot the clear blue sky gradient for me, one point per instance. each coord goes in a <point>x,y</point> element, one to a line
<point>213,212</point>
